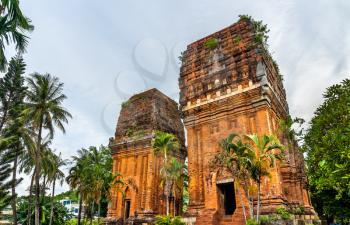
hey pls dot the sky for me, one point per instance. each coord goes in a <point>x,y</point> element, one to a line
<point>106,51</point>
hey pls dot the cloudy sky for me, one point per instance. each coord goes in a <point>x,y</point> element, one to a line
<point>105,51</point>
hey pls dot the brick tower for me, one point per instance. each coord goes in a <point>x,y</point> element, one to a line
<point>133,157</point>
<point>230,84</point>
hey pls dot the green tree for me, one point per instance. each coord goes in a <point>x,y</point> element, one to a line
<point>91,176</point>
<point>327,145</point>
<point>44,110</point>
<point>236,157</point>
<point>5,173</point>
<point>164,143</point>
<point>76,177</point>
<point>13,28</point>
<point>175,171</point>
<point>12,93</point>
<point>60,212</point>
<point>56,174</point>
<point>267,150</point>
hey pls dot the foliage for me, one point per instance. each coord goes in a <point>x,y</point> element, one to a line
<point>164,144</point>
<point>298,210</point>
<point>260,29</point>
<point>251,221</point>
<point>91,176</point>
<point>168,220</point>
<point>327,145</point>
<point>237,39</point>
<point>135,133</point>
<point>211,43</point>
<point>60,212</point>
<point>181,57</point>
<point>283,213</point>
<point>185,193</point>
<point>44,112</point>
<point>72,195</point>
<point>265,219</point>
<point>13,28</point>
<point>267,150</point>
<point>235,157</point>
<point>84,222</point>
<point>125,103</point>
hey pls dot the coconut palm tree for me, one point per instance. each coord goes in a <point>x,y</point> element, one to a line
<point>175,171</point>
<point>13,28</point>
<point>163,143</point>
<point>267,149</point>
<point>56,174</point>
<point>44,110</point>
<point>77,176</point>
<point>236,157</point>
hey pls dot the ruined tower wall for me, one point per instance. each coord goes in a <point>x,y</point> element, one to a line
<point>133,157</point>
<point>233,87</point>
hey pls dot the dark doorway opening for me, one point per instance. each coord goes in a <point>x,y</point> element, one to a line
<point>227,197</point>
<point>126,209</point>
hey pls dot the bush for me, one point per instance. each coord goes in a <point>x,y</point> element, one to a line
<point>283,213</point>
<point>251,222</point>
<point>168,220</point>
<point>211,43</point>
<point>265,219</point>
<point>83,222</point>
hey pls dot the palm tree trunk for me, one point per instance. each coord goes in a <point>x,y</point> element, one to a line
<point>250,202</point>
<point>14,195</point>
<point>52,200</point>
<point>29,216</point>
<point>92,212</point>
<point>80,208</point>
<point>37,175</point>
<point>167,205</point>
<point>174,203</point>
<point>258,206</point>
<point>99,211</point>
<point>241,200</point>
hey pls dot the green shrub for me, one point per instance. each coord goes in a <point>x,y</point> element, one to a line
<point>283,213</point>
<point>211,43</point>
<point>265,219</point>
<point>168,220</point>
<point>251,222</point>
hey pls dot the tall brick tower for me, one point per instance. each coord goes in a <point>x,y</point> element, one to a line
<point>133,157</point>
<point>230,84</point>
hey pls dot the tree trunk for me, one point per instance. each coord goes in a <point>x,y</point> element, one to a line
<point>250,201</point>
<point>3,119</point>
<point>258,206</point>
<point>241,200</point>
<point>99,211</point>
<point>29,216</point>
<point>14,195</point>
<point>174,203</point>
<point>92,212</point>
<point>37,175</point>
<point>52,200</point>
<point>80,208</point>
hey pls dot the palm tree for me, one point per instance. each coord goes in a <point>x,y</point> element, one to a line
<point>56,174</point>
<point>77,176</point>
<point>13,26</point>
<point>267,149</point>
<point>236,157</point>
<point>44,110</point>
<point>175,171</point>
<point>163,143</point>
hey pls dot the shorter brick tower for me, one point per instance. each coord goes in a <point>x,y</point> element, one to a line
<point>133,157</point>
